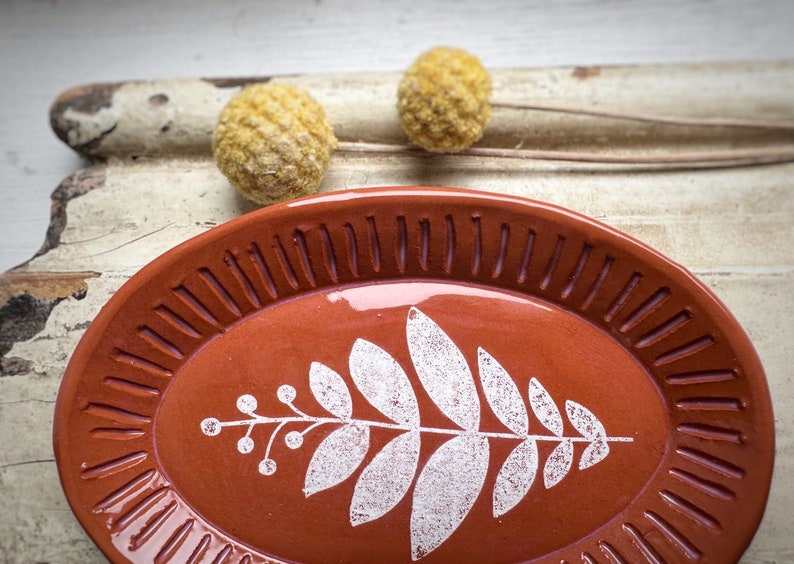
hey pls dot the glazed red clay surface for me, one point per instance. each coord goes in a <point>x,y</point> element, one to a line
<point>415,374</point>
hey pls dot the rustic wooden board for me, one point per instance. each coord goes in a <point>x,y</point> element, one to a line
<point>154,185</point>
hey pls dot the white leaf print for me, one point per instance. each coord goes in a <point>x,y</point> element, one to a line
<point>544,407</point>
<point>558,464</point>
<point>443,371</point>
<point>336,458</point>
<point>594,453</point>
<point>383,382</point>
<point>584,421</point>
<point>515,477</point>
<point>330,390</point>
<point>385,480</point>
<point>446,490</point>
<point>502,394</point>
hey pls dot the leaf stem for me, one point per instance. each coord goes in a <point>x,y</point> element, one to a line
<point>316,421</point>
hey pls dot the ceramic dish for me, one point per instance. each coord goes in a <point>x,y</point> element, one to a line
<point>406,374</point>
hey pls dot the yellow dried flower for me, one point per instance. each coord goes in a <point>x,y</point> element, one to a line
<point>273,142</point>
<point>443,100</point>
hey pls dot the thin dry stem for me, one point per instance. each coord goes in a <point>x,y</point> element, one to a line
<point>651,118</point>
<point>716,157</point>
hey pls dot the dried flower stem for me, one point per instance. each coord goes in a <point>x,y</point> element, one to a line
<point>651,118</point>
<point>704,158</point>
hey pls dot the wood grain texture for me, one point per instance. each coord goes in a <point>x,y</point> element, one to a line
<point>731,226</point>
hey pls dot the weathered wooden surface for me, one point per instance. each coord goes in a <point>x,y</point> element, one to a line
<point>732,226</point>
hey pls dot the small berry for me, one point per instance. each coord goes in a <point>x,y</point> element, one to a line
<point>210,426</point>
<point>443,100</point>
<point>273,142</point>
<point>293,439</point>
<point>286,393</point>
<point>267,467</point>
<point>246,404</point>
<point>245,445</point>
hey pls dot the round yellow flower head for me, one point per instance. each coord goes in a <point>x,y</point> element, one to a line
<point>273,142</point>
<point>443,100</point>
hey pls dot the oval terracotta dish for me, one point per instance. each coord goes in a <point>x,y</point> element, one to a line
<point>415,374</point>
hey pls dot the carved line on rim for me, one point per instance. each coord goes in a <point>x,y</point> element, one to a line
<point>676,537</point>
<point>374,244</point>
<point>223,554</point>
<point>451,242</point>
<point>711,432</point>
<point>664,330</point>
<point>599,282</point>
<point>200,549</point>
<point>424,248</point>
<point>554,260</point>
<point>687,349</point>
<point>652,304</point>
<point>703,485</point>
<point>143,506</point>
<point>623,297</point>
<point>303,256</point>
<point>643,544</point>
<point>611,552</point>
<point>504,240</point>
<point>691,510</point>
<point>527,258</point>
<point>476,255</point>
<point>576,274</point>
<point>160,343</point>
<point>152,526</point>
<point>330,256</point>
<point>710,404</point>
<point>129,490</point>
<point>286,266</point>
<point>140,363</point>
<point>711,462</point>
<point>242,279</point>
<point>116,433</point>
<point>219,290</point>
<point>258,261</point>
<point>176,321</point>
<point>701,377</point>
<point>116,414</point>
<point>175,541</point>
<point>130,387</point>
<point>352,249</point>
<point>402,243</point>
<point>114,466</point>
<point>195,305</point>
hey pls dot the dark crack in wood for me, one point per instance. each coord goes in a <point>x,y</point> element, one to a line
<point>78,184</point>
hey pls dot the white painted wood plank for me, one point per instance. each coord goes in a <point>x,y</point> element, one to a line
<point>46,47</point>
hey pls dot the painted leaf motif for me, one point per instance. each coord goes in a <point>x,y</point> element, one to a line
<point>330,390</point>
<point>594,453</point>
<point>502,394</point>
<point>591,428</point>
<point>443,371</point>
<point>385,480</point>
<point>584,421</point>
<point>383,382</point>
<point>515,477</point>
<point>446,490</point>
<point>558,464</point>
<point>544,407</point>
<point>336,458</point>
